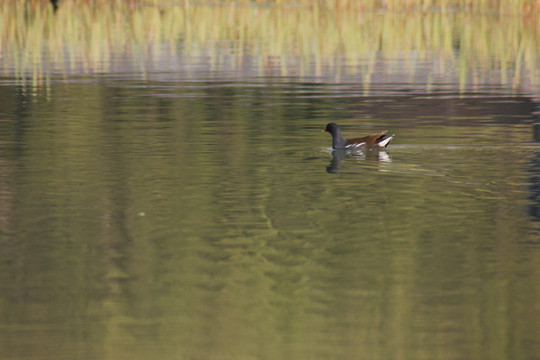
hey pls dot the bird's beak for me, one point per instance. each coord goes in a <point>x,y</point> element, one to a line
<point>324,130</point>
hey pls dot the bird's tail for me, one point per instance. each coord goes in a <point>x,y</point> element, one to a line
<point>386,141</point>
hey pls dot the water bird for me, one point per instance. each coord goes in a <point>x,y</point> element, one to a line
<point>375,141</point>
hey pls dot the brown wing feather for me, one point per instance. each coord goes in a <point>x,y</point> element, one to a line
<point>370,140</point>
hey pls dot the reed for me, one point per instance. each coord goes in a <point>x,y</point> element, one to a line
<point>477,6</point>
<point>472,39</point>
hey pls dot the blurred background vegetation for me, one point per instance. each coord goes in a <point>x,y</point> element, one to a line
<point>472,39</point>
<point>395,5</point>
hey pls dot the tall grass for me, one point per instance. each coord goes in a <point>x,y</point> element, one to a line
<point>476,6</point>
<point>471,37</point>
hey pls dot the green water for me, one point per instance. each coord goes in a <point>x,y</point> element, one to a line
<point>201,215</point>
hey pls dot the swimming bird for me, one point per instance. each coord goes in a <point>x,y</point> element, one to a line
<point>374,141</point>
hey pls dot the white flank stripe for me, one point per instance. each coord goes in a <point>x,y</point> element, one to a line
<point>355,146</point>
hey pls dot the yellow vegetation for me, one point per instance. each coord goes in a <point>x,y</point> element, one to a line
<point>469,36</point>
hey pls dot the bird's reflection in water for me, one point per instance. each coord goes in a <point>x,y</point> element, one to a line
<point>339,155</point>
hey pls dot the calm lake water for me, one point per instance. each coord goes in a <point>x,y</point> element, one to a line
<point>183,208</point>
